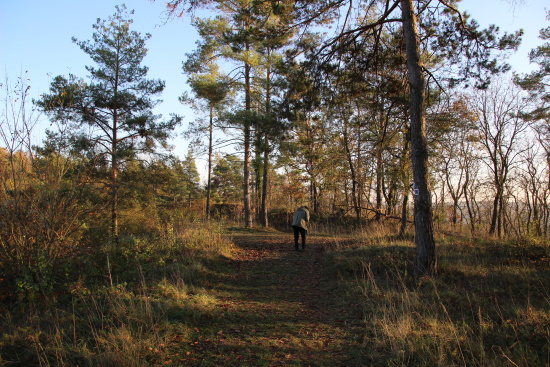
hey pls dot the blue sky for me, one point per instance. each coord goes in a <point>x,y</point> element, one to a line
<point>511,15</point>
<point>35,36</point>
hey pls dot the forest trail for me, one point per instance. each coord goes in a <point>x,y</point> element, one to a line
<point>280,307</point>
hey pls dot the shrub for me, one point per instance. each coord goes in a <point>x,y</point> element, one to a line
<point>39,235</point>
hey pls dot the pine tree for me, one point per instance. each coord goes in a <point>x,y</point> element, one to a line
<point>213,88</point>
<point>117,101</point>
<point>537,83</point>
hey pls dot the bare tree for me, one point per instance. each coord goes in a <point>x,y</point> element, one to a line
<point>18,118</point>
<point>40,212</point>
<point>456,154</point>
<point>534,191</point>
<point>500,128</point>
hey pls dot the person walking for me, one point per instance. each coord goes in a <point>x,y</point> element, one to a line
<point>299,225</point>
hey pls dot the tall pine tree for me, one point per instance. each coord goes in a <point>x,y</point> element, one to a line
<point>117,101</point>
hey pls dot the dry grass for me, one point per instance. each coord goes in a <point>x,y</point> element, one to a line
<point>92,323</point>
<point>488,306</point>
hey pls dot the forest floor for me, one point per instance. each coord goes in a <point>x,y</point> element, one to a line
<point>277,307</point>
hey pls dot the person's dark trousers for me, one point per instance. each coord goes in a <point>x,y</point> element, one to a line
<point>297,232</point>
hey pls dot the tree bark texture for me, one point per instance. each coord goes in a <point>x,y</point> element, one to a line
<point>247,149</point>
<point>210,152</point>
<point>114,182</point>
<point>425,263</point>
<point>265,182</point>
<point>263,211</point>
<point>405,178</point>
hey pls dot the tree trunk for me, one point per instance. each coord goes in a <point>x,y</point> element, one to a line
<point>265,183</point>
<point>114,184</point>
<point>246,169</point>
<point>501,215</point>
<point>495,213</point>
<point>379,183</point>
<point>405,179</point>
<point>257,163</point>
<point>263,211</point>
<point>454,218</point>
<point>468,205</point>
<point>403,227</point>
<point>425,263</point>
<point>313,195</point>
<point>359,177</point>
<point>210,148</point>
<point>354,194</point>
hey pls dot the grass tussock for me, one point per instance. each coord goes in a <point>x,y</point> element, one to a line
<point>488,306</point>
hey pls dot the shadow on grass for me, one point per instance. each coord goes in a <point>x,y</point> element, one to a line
<point>277,308</point>
<point>488,305</point>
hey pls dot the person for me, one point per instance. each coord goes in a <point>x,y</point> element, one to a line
<point>299,225</point>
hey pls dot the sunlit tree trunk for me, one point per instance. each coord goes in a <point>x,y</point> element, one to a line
<point>265,180</point>
<point>247,150</point>
<point>210,152</point>
<point>425,263</point>
<point>114,176</point>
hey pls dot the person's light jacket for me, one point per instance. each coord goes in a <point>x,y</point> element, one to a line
<point>301,218</point>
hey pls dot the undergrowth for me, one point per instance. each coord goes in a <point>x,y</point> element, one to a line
<point>489,305</point>
<point>89,322</point>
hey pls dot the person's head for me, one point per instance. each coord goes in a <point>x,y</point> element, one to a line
<point>304,207</point>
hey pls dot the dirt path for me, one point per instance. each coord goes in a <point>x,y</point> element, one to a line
<point>279,308</point>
